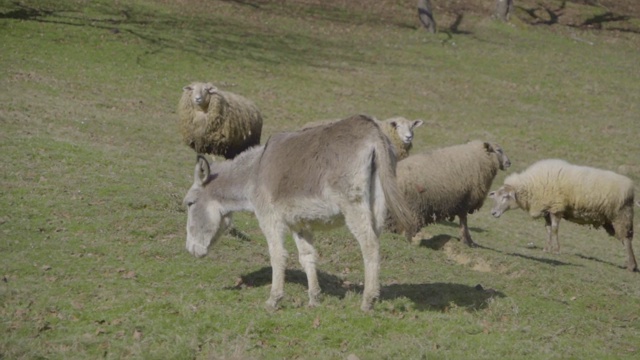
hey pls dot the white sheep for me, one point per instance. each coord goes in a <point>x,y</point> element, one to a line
<point>555,189</point>
<point>400,132</point>
<point>449,182</point>
<point>218,122</point>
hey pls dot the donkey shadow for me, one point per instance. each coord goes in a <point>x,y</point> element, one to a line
<point>426,297</point>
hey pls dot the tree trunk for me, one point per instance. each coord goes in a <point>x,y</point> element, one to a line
<point>425,14</point>
<point>503,9</point>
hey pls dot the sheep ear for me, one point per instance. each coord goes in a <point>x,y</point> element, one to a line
<point>202,171</point>
<point>492,194</point>
<point>212,89</point>
<point>394,124</point>
<point>187,88</point>
<point>488,147</point>
<point>417,123</point>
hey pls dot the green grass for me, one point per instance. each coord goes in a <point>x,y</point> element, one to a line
<point>93,174</point>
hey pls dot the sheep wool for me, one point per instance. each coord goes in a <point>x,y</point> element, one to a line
<point>555,189</point>
<point>451,181</point>
<point>218,122</point>
<point>585,194</point>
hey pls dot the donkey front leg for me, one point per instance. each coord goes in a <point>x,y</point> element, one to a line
<point>307,256</point>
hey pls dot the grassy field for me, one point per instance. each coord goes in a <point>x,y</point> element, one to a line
<point>92,226</point>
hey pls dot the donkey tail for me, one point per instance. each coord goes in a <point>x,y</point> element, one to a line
<point>385,161</point>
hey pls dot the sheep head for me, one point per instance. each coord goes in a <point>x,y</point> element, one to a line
<point>201,93</point>
<point>404,128</point>
<point>504,199</point>
<point>502,157</point>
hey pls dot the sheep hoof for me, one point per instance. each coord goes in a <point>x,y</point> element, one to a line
<point>469,243</point>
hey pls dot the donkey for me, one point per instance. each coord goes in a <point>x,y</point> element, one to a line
<point>320,177</point>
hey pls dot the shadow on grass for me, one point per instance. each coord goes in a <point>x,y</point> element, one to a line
<point>553,16</point>
<point>426,297</point>
<point>226,38</point>
<point>437,242</point>
<point>441,296</point>
<point>600,261</point>
<point>543,260</point>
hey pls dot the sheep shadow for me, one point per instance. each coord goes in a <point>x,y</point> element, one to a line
<point>591,258</point>
<point>551,262</point>
<point>426,297</point>
<point>437,242</point>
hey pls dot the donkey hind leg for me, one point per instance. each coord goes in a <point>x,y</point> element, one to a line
<point>274,232</point>
<point>307,256</point>
<point>359,220</point>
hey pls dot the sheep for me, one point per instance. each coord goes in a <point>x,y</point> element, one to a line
<point>555,189</point>
<point>400,132</point>
<point>449,182</point>
<point>398,129</point>
<point>218,122</point>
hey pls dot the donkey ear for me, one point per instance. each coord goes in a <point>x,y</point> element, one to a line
<point>202,171</point>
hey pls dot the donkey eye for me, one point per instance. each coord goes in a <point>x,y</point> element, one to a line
<point>188,203</point>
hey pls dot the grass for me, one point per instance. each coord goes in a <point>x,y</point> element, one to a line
<point>93,175</point>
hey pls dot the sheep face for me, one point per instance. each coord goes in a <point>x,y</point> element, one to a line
<point>504,199</point>
<point>502,157</point>
<point>201,93</point>
<point>404,128</point>
<point>205,219</point>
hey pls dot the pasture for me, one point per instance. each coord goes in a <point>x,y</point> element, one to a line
<point>92,226</point>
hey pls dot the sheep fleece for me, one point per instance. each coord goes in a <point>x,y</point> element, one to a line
<point>584,195</point>
<point>445,182</point>
<point>230,125</point>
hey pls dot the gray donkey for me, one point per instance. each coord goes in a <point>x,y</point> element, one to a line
<point>316,178</point>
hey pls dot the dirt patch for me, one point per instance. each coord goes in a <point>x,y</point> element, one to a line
<point>456,252</point>
<point>474,262</point>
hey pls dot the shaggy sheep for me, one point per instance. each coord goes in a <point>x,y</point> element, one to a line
<point>400,132</point>
<point>449,182</point>
<point>218,122</point>
<point>555,190</point>
<point>398,129</point>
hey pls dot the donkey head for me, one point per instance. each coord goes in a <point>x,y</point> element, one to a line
<point>206,219</point>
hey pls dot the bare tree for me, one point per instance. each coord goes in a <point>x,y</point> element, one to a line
<point>503,9</point>
<point>425,14</point>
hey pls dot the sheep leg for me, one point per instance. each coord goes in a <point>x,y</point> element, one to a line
<point>632,265</point>
<point>274,232</point>
<point>551,223</point>
<point>465,236</point>
<point>307,256</point>
<point>623,230</point>
<point>359,220</point>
